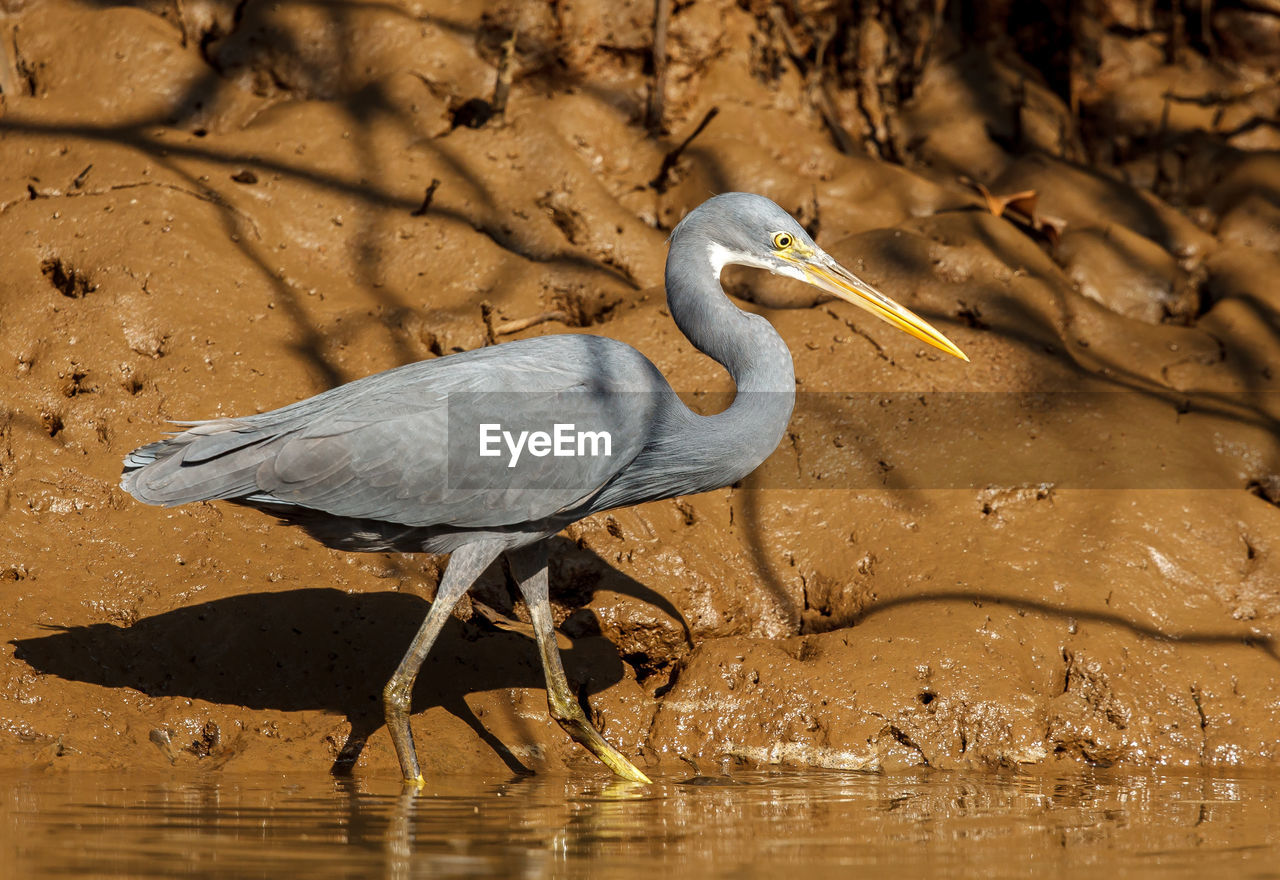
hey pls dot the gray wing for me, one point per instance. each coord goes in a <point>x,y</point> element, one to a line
<point>405,446</point>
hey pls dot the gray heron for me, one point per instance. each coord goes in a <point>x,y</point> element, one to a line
<point>441,456</point>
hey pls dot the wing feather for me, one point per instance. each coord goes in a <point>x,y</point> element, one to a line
<point>404,446</point>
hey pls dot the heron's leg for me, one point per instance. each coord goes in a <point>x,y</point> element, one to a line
<point>465,565</point>
<point>529,565</point>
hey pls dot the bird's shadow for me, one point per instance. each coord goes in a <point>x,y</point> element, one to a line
<point>315,649</point>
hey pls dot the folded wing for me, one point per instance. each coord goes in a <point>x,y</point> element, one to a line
<point>405,446</point>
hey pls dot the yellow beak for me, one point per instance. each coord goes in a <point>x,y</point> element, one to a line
<point>823,272</point>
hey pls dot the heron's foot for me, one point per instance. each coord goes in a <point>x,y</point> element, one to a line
<point>395,703</point>
<point>570,716</point>
<point>617,762</point>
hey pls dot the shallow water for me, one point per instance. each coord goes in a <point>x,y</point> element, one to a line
<point>747,825</point>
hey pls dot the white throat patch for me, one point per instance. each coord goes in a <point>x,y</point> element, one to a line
<point>722,256</point>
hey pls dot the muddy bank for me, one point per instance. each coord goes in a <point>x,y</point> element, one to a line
<point>212,209</point>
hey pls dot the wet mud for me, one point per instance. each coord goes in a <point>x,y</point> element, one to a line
<point>216,208</point>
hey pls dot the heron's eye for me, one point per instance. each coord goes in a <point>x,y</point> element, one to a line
<point>782,240</point>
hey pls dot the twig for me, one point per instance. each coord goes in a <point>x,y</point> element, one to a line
<point>508,327</point>
<point>1206,27</point>
<point>1177,31</point>
<point>502,88</point>
<point>500,620</point>
<point>818,94</point>
<point>788,39</point>
<point>1162,185</point>
<point>653,113</point>
<point>8,62</point>
<point>421,210</point>
<point>804,22</point>
<point>1223,96</point>
<point>182,21</point>
<point>669,161</point>
<point>820,43</point>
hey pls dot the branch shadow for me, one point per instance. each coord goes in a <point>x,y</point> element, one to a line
<point>1264,643</point>
<point>249,52</point>
<point>577,574</point>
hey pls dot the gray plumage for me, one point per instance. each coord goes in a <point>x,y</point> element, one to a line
<point>389,462</point>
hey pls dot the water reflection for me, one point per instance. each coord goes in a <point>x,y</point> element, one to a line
<point>750,825</point>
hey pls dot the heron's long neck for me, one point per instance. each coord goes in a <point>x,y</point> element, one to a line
<point>746,345</point>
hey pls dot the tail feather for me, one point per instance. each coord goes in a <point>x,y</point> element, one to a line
<point>211,460</point>
<point>210,440</point>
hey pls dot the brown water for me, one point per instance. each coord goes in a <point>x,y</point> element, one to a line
<point>747,825</point>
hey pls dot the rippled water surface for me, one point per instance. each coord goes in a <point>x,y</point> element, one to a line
<point>747,825</point>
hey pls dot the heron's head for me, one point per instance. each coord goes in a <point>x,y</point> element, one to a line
<point>745,229</point>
